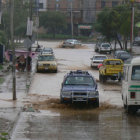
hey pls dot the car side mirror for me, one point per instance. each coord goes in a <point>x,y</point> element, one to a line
<point>91,58</point>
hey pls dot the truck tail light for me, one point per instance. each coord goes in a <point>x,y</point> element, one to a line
<point>133,95</point>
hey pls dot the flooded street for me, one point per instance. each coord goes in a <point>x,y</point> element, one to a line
<point>46,118</point>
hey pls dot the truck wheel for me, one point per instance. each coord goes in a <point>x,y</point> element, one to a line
<point>131,109</point>
<point>100,77</point>
<point>104,78</point>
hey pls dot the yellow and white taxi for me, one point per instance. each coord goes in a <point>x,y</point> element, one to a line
<point>46,62</point>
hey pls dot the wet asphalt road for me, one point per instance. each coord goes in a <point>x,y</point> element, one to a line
<point>53,121</point>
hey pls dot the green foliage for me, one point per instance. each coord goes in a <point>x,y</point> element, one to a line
<point>60,36</point>
<point>53,21</point>
<point>111,22</point>
<point>3,38</point>
<point>3,136</point>
<point>20,18</point>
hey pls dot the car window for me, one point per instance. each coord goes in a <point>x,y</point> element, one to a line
<point>79,80</point>
<point>46,58</point>
<point>112,62</point>
<point>100,57</point>
<point>135,73</point>
<point>105,45</point>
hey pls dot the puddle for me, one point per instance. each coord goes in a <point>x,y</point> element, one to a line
<point>49,103</point>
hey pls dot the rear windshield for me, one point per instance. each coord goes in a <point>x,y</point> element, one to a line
<point>113,62</point>
<point>79,80</point>
<point>136,73</point>
<point>100,57</point>
<point>105,45</point>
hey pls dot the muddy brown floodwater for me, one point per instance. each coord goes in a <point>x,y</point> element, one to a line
<point>54,121</point>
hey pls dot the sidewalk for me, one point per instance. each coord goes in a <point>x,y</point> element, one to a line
<point>9,109</point>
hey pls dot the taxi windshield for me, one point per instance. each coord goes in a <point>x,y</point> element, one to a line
<point>46,58</point>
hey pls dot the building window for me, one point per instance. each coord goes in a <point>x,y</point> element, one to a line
<point>57,6</point>
<point>102,4</point>
<point>40,5</point>
<point>114,3</point>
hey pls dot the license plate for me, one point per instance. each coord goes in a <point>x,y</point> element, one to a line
<point>46,68</point>
<point>79,99</point>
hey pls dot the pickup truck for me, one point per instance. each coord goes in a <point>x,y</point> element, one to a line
<point>111,69</point>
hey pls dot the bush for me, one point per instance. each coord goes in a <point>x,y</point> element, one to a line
<point>61,36</point>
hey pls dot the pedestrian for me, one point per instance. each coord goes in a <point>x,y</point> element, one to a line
<point>29,61</point>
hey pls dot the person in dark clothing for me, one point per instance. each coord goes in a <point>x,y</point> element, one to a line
<point>29,61</point>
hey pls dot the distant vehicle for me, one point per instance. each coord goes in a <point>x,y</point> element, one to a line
<point>79,86</point>
<point>97,46</point>
<point>117,52</point>
<point>111,68</point>
<point>136,41</point>
<point>97,59</point>
<point>103,47</point>
<point>47,51</point>
<point>123,56</point>
<point>39,50</point>
<point>46,62</point>
<point>131,85</point>
<point>71,43</point>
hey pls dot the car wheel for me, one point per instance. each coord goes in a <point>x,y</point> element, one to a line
<point>96,50</point>
<point>37,69</point>
<point>55,71</point>
<point>97,103</point>
<point>131,109</point>
<point>61,100</point>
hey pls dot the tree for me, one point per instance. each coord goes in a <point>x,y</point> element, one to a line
<point>20,19</point>
<point>115,22</point>
<point>53,21</point>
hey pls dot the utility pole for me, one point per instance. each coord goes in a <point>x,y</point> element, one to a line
<point>13,48</point>
<point>71,19</point>
<point>37,18</point>
<point>132,25</point>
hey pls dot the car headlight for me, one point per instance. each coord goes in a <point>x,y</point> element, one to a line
<point>93,93</point>
<point>66,93</point>
<point>39,64</point>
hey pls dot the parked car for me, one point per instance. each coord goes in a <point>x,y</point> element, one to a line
<point>71,43</point>
<point>103,47</point>
<point>46,62</point>
<point>47,51</point>
<point>123,56</point>
<point>79,86</point>
<point>111,69</point>
<point>136,41</point>
<point>97,59</point>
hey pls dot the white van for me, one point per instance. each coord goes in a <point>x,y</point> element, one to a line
<point>131,85</point>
